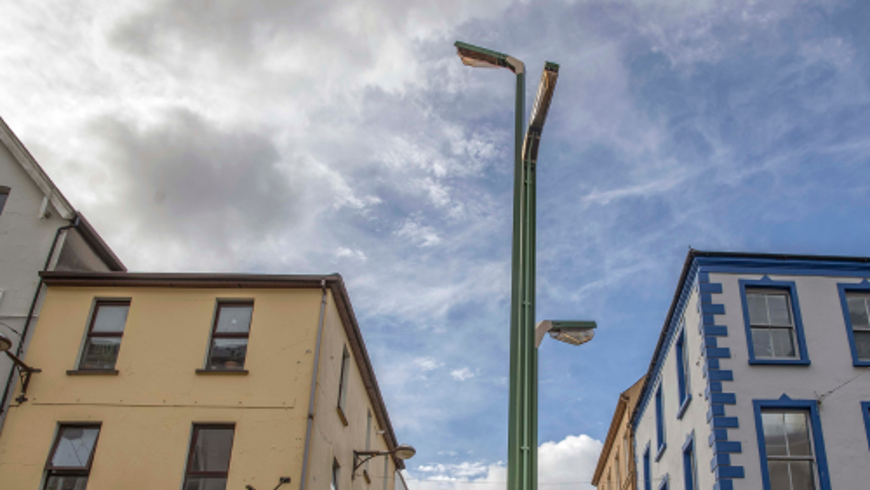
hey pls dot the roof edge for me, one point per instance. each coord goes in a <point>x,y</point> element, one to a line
<point>100,247</point>
<point>24,158</point>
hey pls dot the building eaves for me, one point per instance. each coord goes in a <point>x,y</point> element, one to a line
<point>40,178</point>
<point>99,246</point>
<point>251,281</point>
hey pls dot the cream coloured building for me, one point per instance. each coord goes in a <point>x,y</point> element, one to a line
<point>197,382</point>
<point>616,469</point>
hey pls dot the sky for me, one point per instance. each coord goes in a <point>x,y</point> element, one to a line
<point>343,136</point>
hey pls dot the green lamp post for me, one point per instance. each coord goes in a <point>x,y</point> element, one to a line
<point>523,411</point>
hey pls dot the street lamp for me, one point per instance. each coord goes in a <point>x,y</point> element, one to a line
<point>402,451</point>
<point>24,370</point>
<point>523,409</point>
<point>572,332</point>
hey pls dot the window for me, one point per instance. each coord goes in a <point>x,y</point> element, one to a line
<point>368,443</point>
<point>208,463</point>
<point>690,470</point>
<point>627,450</point>
<point>683,385</point>
<point>618,472</point>
<point>647,478</point>
<point>660,423</point>
<point>791,446</point>
<point>856,310</point>
<point>336,474</point>
<point>773,324</point>
<point>104,335</point>
<point>865,409</point>
<point>342,385</point>
<point>229,341</point>
<point>4,196</point>
<point>72,454</point>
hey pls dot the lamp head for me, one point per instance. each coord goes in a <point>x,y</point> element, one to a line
<point>404,451</point>
<point>5,343</point>
<point>476,56</point>
<point>574,332</point>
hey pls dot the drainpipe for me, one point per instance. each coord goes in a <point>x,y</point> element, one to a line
<point>310,423</point>
<point>24,331</point>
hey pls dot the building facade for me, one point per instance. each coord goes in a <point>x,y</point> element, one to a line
<point>616,468</point>
<point>757,379</point>
<point>197,382</point>
<point>39,230</point>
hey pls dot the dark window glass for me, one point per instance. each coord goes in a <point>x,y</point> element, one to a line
<point>859,314</point>
<point>104,335</point>
<point>209,459</point>
<point>660,422</point>
<point>4,195</point>
<point>342,382</point>
<point>229,343</point>
<point>69,463</point>
<point>336,475</point>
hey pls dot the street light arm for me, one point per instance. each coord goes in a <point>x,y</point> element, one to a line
<point>546,88</point>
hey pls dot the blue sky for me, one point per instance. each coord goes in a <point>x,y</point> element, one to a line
<point>306,136</point>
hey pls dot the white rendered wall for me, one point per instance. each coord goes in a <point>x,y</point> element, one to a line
<point>827,344</point>
<point>677,430</point>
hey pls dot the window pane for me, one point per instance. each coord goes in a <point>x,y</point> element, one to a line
<point>211,452</point>
<point>757,309</point>
<point>778,475</point>
<point>783,342</point>
<point>780,313</point>
<point>797,434</point>
<point>201,483</point>
<point>234,319</point>
<point>111,318</point>
<point>761,342</point>
<point>101,353</point>
<point>802,477</point>
<point>228,353</point>
<point>862,343</point>
<point>858,312</point>
<point>774,434</point>
<point>74,447</point>
<point>66,483</point>
<point>4,194</point>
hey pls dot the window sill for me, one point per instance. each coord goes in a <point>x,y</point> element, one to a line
<point>861,363</point>
<point>661,451</point>
<point>684,406</point>
<point>780,362</point>
<point>92,372</point>
<point>238,372</point>
<point>341,416</point>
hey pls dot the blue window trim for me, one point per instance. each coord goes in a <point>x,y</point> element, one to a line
<point>685,392</point>
<point>664,483</point>
<point>811,407</point>
<point>767,283</point>
<point>661,442</point>
<point>647,475</point>
<point>861,287</point>
<point>865,409</point>
<point>690,463</point>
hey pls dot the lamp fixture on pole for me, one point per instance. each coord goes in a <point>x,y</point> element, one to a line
<point>24,371</point>
<point>402,451</point>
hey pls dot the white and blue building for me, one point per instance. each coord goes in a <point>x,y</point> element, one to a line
<point>761,377</point>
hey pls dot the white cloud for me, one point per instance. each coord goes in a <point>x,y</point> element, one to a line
<point>566,464</point>
<point>350,253</point>
<point>420,235</point>
<point>462,374</point>
<point>427,363</point>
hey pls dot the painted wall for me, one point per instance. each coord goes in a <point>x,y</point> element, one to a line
<point>147,409</point>
<point>621,451</point>
<point>842,422</point>
<point>694,419</point>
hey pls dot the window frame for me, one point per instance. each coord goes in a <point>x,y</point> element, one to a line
<point>817,439</point>
<point>344,375</point>
<point>190,452</point>
<point>336,475</point>
<point>661,434</point>
<point>845,289</point>
<point>647,468</point>
<point>4,191</point>
<point>221,303</point>
<point>690,464</point>
<point>865,410</point>
<point>790,289</point>
<point>50,470</point>
<point>665,483</point>
<point>98,303</point>
<point>684,383</point>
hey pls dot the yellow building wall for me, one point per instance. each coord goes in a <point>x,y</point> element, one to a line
<point>618,456</point>
<point>148,409</point>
